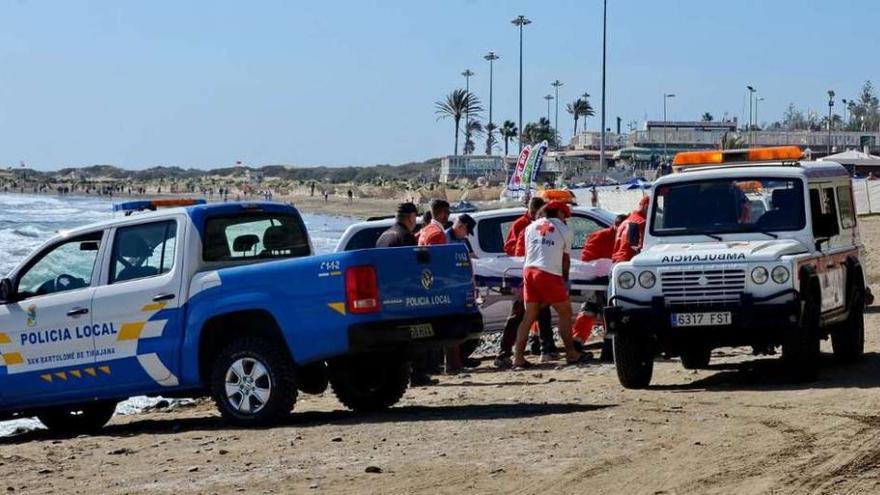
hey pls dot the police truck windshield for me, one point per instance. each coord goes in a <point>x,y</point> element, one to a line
<point>719,206</point>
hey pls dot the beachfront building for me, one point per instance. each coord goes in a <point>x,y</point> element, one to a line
<point>454,167</point>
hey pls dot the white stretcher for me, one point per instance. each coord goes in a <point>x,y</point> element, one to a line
<point>501,278</point>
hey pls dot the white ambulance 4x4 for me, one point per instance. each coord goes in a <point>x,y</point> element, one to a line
<point>742,248</point>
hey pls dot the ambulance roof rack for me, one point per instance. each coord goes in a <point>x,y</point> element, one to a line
<point>689,160</point>
<point>130,207</point>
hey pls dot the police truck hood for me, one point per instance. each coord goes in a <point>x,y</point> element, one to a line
<point>718,252</point>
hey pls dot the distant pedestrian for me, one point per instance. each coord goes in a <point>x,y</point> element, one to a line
<point>312,189</point>
<point>326,196</point>
<point>350,195</point>
<point>594,197</point>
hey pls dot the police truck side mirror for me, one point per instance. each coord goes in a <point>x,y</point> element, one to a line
<point>7,292</point>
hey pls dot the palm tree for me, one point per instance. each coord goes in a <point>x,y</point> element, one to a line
<point>731,140</point>
<point>707,117</point>
<point>535,132</point>
<point>579,107</point>
<point>490,138</point>
<point>508,132</point>
<point>473,128</point>
<point>458,103</point>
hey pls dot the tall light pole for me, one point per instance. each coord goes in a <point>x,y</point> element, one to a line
<point>549,98</point>
<point>520,21</point>
<point>845,122</point>
<point>756,111</point>
<point>751,97</point>
<point>604,53</point>
<point>666,96</point>
<point>556,85</point>
<point>830,107</point>
<point>491,57</point>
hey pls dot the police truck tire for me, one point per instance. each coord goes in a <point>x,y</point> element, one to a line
<point>253,383</point>
<point>72,420</point>
<point>848,338</point>
<point>369,383</point>
<point>800,343</point>
<point>633,359</point>
<point>696,357</point>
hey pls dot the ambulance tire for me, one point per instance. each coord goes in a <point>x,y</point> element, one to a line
<point>696,357</point>
<point>848,338</point>
<point>633,359</point>
<point>269,368</point>
<point>75,420</point>
<point>800,343</point>
<point>369,383</point>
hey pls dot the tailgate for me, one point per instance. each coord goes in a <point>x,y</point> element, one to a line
<point>424,281</point>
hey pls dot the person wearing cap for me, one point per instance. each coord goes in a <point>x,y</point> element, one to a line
<point>461,229</point>
<point>435,232</point>
<point>631,233</point>
<point>401,233</point>
<point>545,279</point>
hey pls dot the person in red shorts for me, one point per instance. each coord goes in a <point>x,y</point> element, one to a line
<point>623,245</point>
<point>545,279</point>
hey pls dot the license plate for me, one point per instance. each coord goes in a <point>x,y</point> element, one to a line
<point>421,331</point>
<point>701,319</point>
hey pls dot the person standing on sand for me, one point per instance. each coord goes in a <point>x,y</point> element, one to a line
<point>545,279</point>
<point>312,189</point>
<point>398,235</point>
<point>594,197</point>
<point>350,195</point>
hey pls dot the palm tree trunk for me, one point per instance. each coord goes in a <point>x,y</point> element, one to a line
<point>575,124</point>
<point>456,136</point>
<point>506,139</point>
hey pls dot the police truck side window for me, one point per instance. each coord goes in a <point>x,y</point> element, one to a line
<point>66,266</point>
<point>253,237</point>
<point>143,251</point>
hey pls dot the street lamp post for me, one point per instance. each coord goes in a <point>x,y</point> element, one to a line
<point>845,122</point>
<point>520,21</point>
<point>666,96</point>
<point>549,98</point>
<point>751,98</point>
<point>491,57</point>
<point>604,53</point>
<point>756,111</point>
<point>830,107</point>
<point>556,85</point>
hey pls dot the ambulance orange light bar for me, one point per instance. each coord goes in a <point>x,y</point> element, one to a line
<point>715,157</point>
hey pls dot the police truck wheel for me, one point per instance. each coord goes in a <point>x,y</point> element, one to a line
<point>696,357</point>
<point>634,359</point>
<point>800,344</point>
<point>252,383</point>
<point>369,383</point>
<point>848,338</point>
<point>73,420</point>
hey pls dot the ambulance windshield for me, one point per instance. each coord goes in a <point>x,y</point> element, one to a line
<point>718,206</point>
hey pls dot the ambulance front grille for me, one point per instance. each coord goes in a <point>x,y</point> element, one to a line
<point>696,286</point>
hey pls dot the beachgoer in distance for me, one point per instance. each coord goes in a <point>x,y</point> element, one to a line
<point>594,197</point>
<point>631,233</point>
<point>545,278</point>
<point>350,195</point>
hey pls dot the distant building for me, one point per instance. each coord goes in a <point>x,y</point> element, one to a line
<point>454,167</point>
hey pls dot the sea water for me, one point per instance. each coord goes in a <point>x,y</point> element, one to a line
<point>27,221</point>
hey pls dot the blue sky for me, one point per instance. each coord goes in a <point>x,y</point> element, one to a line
<point>204,84</point>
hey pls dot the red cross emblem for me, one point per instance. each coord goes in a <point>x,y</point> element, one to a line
<point>545,228</point>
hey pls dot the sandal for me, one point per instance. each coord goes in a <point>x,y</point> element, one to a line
<point>584,358</point>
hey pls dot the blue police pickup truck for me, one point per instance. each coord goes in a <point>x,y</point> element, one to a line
<point>227,300</point>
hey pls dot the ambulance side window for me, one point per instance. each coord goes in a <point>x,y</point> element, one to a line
<point>143,251</point>
<point>823,210</point>
<point>845,206</point>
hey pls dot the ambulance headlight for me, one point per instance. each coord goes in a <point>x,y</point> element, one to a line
<point>760,275</point>
<point>647,279</point>
<point>780,274</point>
<point>626,280</point>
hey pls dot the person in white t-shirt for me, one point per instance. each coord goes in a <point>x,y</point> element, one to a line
<point>545,278</point>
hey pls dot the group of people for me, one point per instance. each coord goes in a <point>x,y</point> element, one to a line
<point>544,238</point>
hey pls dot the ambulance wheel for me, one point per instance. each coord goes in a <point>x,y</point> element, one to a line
<point>633,359</point>
<point>800,343</point>
<point>369,383</point>
<point>848,338</point>
<point>695,357</point>
<point>252,383</point>
<point>73,420</point>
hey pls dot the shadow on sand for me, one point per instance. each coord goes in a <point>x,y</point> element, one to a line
<point>339,417</point>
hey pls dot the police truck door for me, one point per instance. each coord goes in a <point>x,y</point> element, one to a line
<point>138,305</point>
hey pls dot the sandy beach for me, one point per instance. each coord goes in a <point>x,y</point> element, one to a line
<point>735,428</point>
